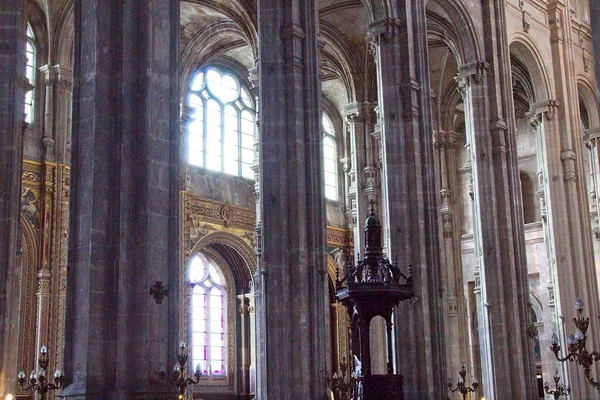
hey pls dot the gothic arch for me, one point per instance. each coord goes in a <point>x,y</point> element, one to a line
<point>63,46</point>
<point>338,57</point>
<point>28,313</point>
<point>524,50</point>
<point>239,255</point>
<point>587,94</point>
<point>242,13</point>
<point>331,268</point>
<point>455,22</point>
<point>207,45</point>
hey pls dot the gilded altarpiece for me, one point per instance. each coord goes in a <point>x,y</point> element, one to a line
<point>44,224</point>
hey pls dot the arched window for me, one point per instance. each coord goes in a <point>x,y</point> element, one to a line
<point>329,159</point>
<point>30,75</point>
<point>208,318</point>
<point>221,129</point>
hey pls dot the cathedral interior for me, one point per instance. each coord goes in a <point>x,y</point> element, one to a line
<point>202,170</point>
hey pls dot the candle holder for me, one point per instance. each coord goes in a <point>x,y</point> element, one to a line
<point>38,381</point>
<point>577,346</point>
<point>460,384</point>
<point>179,375</point>
<point>559,388</point>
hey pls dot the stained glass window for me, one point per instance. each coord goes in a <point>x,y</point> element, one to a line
<point>222,126</point>
<point>208,317</point>
<point>30,75</point>
<point>329,159</point>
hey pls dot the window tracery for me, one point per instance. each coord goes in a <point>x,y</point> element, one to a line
<point>208,315</point>
<point>221,130</point>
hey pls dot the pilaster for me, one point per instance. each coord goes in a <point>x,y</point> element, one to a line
<point>409,198</point>
<point>12,86</point>
<point>292,263</point>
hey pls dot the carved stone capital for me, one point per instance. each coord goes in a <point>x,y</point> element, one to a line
<point>472,73</point>
<point>359,112</point>
<point>547,109</point>
<point>383,29</point>
<point>50,74</point>
<point>446,139</point>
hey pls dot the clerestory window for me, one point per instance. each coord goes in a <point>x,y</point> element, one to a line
<point>222,126</point>
<point>30,75</point>
<point>329,159</point>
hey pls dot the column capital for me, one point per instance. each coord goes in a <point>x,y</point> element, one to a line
<point>447,139</point>
<point>384,28</point>
<point>359,112</point>
<point>547,109</point>
<point>50,74</point>
<point>590,136</point>
<point>470,73</point>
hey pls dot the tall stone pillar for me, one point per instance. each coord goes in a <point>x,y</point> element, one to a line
<point>124,203</point>
<point>12,84</point>
<point>292,264</point>
<point>364,176</point>
<point>595,20</point>
<point>501,267</point>
<point>455,307</point>
<point>409,198</point>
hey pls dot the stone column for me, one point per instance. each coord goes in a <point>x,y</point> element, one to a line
<point>595,20</point>
<point>364,180</point>
<point>501,284</point>
<point>57,115</point>
<point>455,308</point>
<point>591,138</point>
<point>245,309</point>
<point>575,267</point>
<point>570,256</point>
<point>501,265</point>
<point>409,198</point>
<point>292,263</point>
<point>12,83</point>
<point>124,228</point>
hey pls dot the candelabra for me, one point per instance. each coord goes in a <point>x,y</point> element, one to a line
<point>460,384</point>
<point>559,388</point>
<point>577,346</point>
<point>342,385</point>
<point>179,376</point>
<point>38,380</point>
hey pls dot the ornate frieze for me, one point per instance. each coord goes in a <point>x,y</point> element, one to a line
<point>204,216</point>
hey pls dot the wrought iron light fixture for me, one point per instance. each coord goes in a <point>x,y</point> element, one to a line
<point>461,386</point>
<point>559,388</point>
<point>179,376</point>
<point>38,381</point>
<point>577,346</point>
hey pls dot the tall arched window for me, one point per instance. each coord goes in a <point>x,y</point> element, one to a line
<point>329,159</point>
<point>208,317</point>
<point>221,130</point>
<point>30,75</point>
